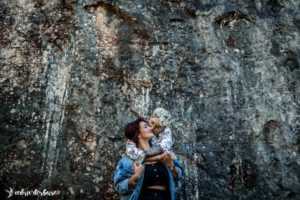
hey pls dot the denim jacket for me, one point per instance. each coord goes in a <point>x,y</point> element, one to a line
<point>124,172</point>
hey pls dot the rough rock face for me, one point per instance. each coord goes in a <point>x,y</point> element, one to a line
<point>73,73</point>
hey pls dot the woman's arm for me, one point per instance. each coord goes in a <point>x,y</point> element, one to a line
<point>132,181</point>
<point>124,182</point>
<point>173,165</point>
<point>174,170</point>
<point>121,178</point>
<point>179,169</point>
<point>124,178</point>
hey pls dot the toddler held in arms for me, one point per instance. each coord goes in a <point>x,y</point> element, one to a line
<point>159,122</point>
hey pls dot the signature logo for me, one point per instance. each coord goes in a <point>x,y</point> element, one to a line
<point>10,192</point>
<point>35,192</point>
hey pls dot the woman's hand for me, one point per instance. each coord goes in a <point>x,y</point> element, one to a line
<point>167,159</point>
<point>138,169</point>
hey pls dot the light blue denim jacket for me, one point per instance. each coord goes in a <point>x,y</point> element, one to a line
<point>124,172</point>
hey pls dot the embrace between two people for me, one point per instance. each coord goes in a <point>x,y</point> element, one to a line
<point>150,167</point>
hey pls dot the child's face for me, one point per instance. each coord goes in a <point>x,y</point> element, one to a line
<point>155,124</point>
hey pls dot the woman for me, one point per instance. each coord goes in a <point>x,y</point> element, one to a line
<point>150,180</point>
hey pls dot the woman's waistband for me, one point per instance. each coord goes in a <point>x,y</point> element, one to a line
<point>151,190</point>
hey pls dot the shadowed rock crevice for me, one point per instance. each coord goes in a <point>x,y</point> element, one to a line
<point>229,18</point>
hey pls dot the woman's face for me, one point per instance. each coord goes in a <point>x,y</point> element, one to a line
<point>145,131</point>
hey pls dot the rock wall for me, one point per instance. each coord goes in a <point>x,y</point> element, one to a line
<point>73,73</point>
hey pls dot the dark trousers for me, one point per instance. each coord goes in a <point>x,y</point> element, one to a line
<point>152,194</point>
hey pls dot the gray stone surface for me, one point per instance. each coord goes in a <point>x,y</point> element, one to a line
<point>73,73</point>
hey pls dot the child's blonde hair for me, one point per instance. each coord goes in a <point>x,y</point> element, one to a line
<point>163,116</point>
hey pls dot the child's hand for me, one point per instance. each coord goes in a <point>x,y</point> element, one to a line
<point>138,168</point>
<point>167,158</point>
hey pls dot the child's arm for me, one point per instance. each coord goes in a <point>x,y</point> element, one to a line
<point>155,150</point>
<point>159,157</point>
<point>154,158</point>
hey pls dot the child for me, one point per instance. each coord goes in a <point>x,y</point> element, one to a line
<point>159,121</point>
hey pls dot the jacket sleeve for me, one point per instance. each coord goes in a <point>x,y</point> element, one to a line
<point>121,177</point>
<point>179,168</point>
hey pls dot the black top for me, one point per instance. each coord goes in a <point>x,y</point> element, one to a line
<point>155,174</point>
